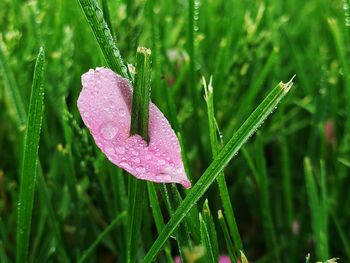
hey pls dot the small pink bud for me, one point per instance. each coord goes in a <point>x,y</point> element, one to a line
<point>105,107</point>
<point>329,131</point>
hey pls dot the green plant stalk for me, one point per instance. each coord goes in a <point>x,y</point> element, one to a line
<point>287,183</point>
<point>224,193</point>
<point>270,234</point>
<point>229,244</point>
<point>12,90</point>
<point>219,163</point>
<point>324,211</point>
<point>139,125</point>
<point>30,160</point>
<point>342,234</point>
<point>104,37</point>
<point>141,94</point>
<point>318,210</point>
<point>172,200</point>
<point>158,217</point>
<point>116,221</point>
<point>136,198</point>
<point>208,234</point>
<point>70,174</point>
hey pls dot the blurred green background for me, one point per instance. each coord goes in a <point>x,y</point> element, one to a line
<point>247,47</point>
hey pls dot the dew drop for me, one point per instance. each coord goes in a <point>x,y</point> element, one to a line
<point>109,150</point>
<point>140,169</point>
<point>163,177</point>
<point>121,112</point>
<point>120,150</point>
<point>108,131</point>
<point>125,166</point>
<point>161,162</point>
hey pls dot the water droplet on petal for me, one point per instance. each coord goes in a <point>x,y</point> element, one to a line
<point>109,150</point>
<point>125,165</point>
<point>161,162</point>
<point>121,112</point>
<point>120,150</point>
<point>109,131</point>
<point>140,169</point>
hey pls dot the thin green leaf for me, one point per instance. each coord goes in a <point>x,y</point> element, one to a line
<point>103,36</point>
<point>118,220</point>
<point>219,163</point>
<point>12,89</point>
<point>229,245</point>
<point>208,234</point>
<point>172,200</point>
<point>141,94</point>
<point>158,217</point>
<point>224,194</point>
<point>30,160</point>
<point>316,209</point>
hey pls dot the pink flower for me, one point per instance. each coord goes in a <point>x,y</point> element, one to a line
<point>105,107</point>
<point>329,131</point>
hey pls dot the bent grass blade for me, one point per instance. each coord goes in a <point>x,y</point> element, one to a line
<point>219,163</point>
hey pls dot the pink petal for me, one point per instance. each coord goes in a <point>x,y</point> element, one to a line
<point>222,259</point>
<point>105,107</point>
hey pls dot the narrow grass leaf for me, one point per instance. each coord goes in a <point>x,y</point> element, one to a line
<point>12,89</point>
<point>224,193</point>
<point>219,163</point>
<point>103,36</point>
<point>316,210</point>
<point>208,234</point>
<point>265,201</point>
<point>117,220</point>
<point>30,161</point>
<point>158,217</point>
<point>229,244</point>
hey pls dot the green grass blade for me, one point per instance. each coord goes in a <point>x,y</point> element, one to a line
<point>219,163</point>
<point>172,200</point>
<point>103,36</point>
<point>265,201</point>
<point>12,89</point>
<point>342,234</point>
<point>224,194</point>
<point>287,182</point>
<point>208,234</point>
<point>324,211</point>
<point>118,220</point>
<point>30,161</point>
<point>136,197</point>
<point>318,205</point>
<point>141,94</point>
<point>43,194</point>
<point>229,244</point>
<point>158,217</point>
